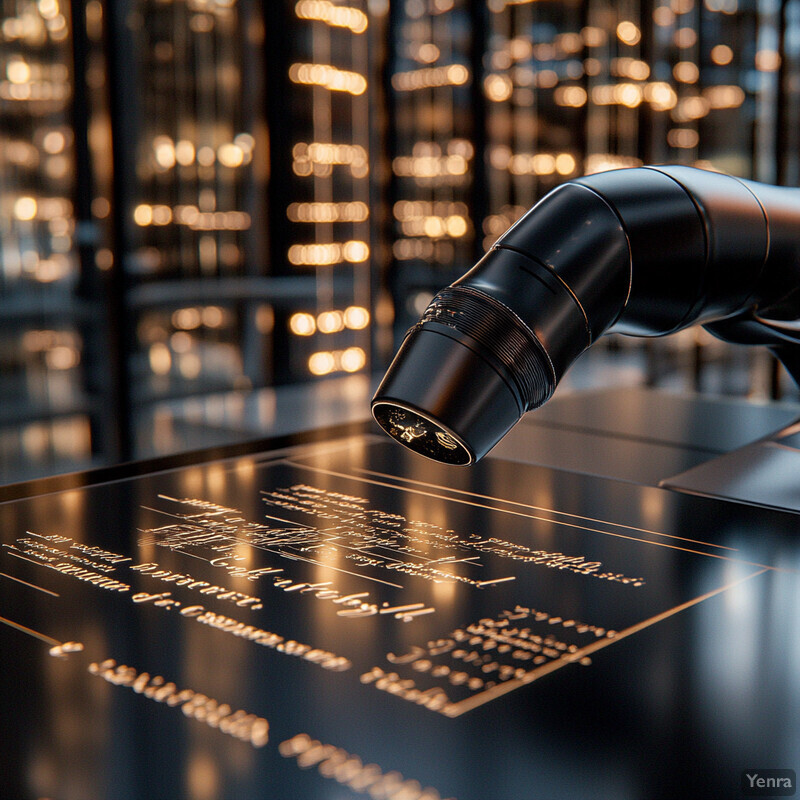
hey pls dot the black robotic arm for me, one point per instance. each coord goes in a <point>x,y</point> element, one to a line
<point>646,252</point>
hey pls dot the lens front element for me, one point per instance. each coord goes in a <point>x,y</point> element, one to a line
<point>421,434</point>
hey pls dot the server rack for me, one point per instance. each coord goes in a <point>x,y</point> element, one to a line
<point>186,198</point>
<point>320,185</point>
<point>50,398</point>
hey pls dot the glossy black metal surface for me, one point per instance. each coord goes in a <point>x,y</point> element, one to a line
<point>764,473</point>
<point>643,436</point>
<point>392,627</point>
<point>703,423</point>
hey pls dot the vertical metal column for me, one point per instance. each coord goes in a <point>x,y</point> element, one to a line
<point>122,107</point>
<point>479,191</point>
<point>278,94</point>
<point>91,286</point>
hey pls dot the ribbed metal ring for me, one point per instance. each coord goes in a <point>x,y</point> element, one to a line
<point>502,333</point>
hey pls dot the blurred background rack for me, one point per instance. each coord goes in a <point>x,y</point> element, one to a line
<point>219,217</point>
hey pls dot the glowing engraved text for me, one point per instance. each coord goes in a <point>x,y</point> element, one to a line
<point>63,650</point>
<point>204,587</point>
<point>349,770</point>
<point>490,655</point>
<point>363,529</point>
<point>239,724</point>
<point>47,556</point>
<point>252,633</point>
<point>224,531</point>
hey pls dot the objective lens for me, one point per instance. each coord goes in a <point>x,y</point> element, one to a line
<point>421,434</point>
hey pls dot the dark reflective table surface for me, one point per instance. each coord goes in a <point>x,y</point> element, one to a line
<point>763,473</point>
<point>641,435</point>
<point>344,619</point>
